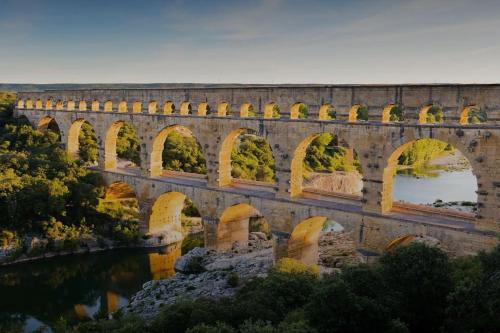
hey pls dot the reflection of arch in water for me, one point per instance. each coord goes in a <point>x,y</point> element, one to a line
<point>390,172</point>
<point>234,226</point>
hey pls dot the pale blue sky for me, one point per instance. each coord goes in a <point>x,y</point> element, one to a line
<point>273,41</point>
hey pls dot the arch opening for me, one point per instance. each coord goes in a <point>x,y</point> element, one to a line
<point>223,109</point>
<point>95,105</point>
<point>246,159</point>
<point>358,112</point>
<point>299,111</point>
<point>108,106</point>
<point>272,110</point>
<point>176,152</point>
<point>168,108</point>
<point>50,126</point>
<point>185,109</point>
<point>29,104</point>
<point>327,112</point>
<point>122,107</point>
<point>59,105</point>
<point>174,218</point>
<point>152,107</point>
<point>429,176</point>
<point>324,165</point>
<point>38,104</point>
<point>122,148</point>
<point>82,142</point>
<point>20,104</point>
<point>48,104</point>
<point>392,113</point>
<point>473,114</point>
<point>137,107</point>
<point>70,106</point>
<point>247,110</point>
<point>431,114</point>
<point>323,242</point>
<point>242,226</point>
<point>82,106</point>
<point>203,109</point>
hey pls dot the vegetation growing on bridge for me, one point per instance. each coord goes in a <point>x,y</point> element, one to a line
<point>413,289</point>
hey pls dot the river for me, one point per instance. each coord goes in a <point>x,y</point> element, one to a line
<point>77,287</point>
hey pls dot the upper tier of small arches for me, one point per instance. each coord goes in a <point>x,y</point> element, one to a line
<point>426,114</point>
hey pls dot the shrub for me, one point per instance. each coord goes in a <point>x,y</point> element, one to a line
<point>289,265</point>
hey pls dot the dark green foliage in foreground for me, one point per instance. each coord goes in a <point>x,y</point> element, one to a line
<point>413,289</point>
<point>45,192</point>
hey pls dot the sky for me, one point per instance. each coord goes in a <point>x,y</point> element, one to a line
<point>250,41</point>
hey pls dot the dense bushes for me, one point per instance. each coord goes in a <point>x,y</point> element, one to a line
<point>43,191</point>
<point>252,158</point>
<point>413,289</point>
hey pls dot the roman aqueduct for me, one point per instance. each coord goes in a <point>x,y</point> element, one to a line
<point>217,115</point>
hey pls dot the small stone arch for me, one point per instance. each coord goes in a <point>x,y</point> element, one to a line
<point>137,107</point>
<point>82,106</point>
<point>203,109</point>
<point>247,110</point>
<point>29,104</point>
<point>465,115</point>
<point>168,108</point>
<point>271,110</point>
<point>49,104</point>
<point>108,106</point>
<point>70,106</point>
<point>424,113</point>
<point>234,226</point>
<point>156,157</point>
<point>95,105</point>
<point>38,104</point>
<point>110,156</point>
<point>326,112</point>
<point>185,108</point>
<point>298,111</point>
<point>358,112</point>
<point>389,112</point>
<point>223,109</point>
<point>152,107</point>
<point>59,105</point>
<point>122,107</point>
<point>20,104</point>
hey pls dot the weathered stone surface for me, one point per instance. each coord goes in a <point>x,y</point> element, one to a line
<point>212,282</point>
<point>370,217</point>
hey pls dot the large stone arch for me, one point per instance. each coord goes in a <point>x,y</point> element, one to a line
<point>165,217</point>
<point>392,162</point>
<point>156,157</point>
<point>110,156</point>
<point>44,122</point>
<point>73,143</point>
<point>233,226</point>
<point>297,164</point>
<point>303,244</point>
<point>225,166</point>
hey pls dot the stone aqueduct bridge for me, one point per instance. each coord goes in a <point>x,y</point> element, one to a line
<point>372,219</point>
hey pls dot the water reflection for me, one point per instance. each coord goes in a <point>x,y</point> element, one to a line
<point>79,287</point>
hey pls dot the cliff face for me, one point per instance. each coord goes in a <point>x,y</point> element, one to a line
<point>337,181</point>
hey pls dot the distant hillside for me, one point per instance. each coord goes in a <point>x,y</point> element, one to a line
<point>17,87</point>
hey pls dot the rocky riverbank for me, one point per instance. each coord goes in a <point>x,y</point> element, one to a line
<point>204,273</point>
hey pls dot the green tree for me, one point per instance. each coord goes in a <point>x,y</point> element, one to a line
<point>252,158</point>
<point>87,144</point>
<point>183,153</point>
<point>128,145</point>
